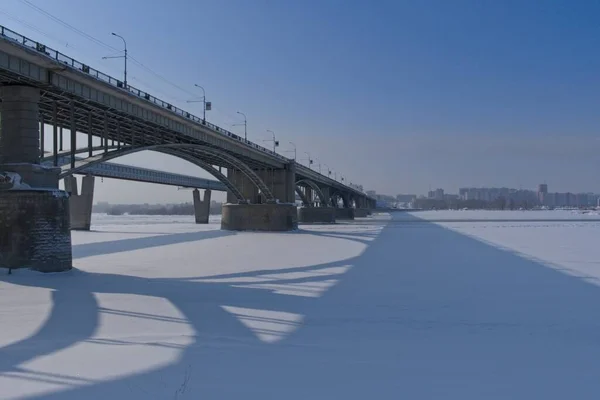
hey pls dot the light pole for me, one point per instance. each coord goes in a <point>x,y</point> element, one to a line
<point>203,101</point>
<point>245,126</point>
<point>294,150</point>
<point>328,170</point>
<point>124,56</point>
<point>310,161</point>
<point>275,142</point>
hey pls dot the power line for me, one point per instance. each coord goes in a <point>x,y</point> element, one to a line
<point>28,25</point>
<point>66,24</point>
<point>101,43</point>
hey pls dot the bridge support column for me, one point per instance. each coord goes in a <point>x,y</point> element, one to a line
<point>259,217</point>
<point>309,196</point>
<point>320,215</point>
<point>279,216</point>
<point>344,213</point>
<point>34,214</point>
<point>202,207</point>
<point>361,213</point>
<point>281,182</point>
<point>80,204</point>
<point>244,185</point>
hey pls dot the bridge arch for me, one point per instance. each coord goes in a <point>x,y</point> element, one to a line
<point>322,198</point>
<point>336,196</point>
<point>302,196</point>
<point>189,152</point>
<point>65,153</point>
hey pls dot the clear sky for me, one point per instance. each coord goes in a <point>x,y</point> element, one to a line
<point>395,95</point>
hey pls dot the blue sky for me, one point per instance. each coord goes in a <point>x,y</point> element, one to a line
<point>396,95</point>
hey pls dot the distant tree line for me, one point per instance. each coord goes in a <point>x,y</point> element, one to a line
<point>156,209</point>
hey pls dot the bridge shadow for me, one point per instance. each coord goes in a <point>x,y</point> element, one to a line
<point>123,245</point>
<point>424,312</point>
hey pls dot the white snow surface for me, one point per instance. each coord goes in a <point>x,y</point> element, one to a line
<point>424,305</point>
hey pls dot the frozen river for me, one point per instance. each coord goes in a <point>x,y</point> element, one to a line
<point>429,305</point>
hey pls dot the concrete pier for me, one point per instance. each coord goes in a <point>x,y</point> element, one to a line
<point>259,217</point>
<point>80,204</point>
<point>322,215</point>
<point>344,213</point>
<point>361,213</point>
<point>34,214</point>
<point>202,207</point>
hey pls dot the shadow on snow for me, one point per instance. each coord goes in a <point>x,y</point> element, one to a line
<point>424,312</point>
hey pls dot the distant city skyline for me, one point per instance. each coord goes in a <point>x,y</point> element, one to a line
<point>396,96</point>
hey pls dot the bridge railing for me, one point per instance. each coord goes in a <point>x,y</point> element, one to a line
<point>81,67</point>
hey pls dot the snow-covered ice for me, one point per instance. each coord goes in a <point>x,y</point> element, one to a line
<point>453,305</point>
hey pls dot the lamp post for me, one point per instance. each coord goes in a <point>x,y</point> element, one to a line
<point>245,125</point>
<point>310,161</point>
<point>275,142</point>
<point>204,103</point>
<point>294,150</point>
<point>124,56</point>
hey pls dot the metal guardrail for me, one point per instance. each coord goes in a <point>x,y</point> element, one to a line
<point>57,56</point>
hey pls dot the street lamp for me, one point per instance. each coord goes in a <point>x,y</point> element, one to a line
<point>124,56</point>
<point>275,142</point>
<point>206,105</point>
<point>328,170</point>
<point>294,150</point>
<point>245,125</point>
<point>310,161</point>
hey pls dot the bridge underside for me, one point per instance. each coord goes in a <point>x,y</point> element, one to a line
<point>41,89</point>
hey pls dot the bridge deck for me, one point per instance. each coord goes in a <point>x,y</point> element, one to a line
<point>74,95</point>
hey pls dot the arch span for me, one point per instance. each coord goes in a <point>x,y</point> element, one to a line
<point>190,152</point>
<point>302,196</point>
<point>316,189</point>
<point>77,151</point>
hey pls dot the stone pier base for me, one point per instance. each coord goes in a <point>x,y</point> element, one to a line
<point>344,213</point>
<point>34,230</point>
<point>322,215</point>
<point>259,217</point>
<point>361,212</point>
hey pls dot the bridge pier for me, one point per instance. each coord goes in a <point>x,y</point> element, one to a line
<point>259,217</point>
<point>320,215</point>
<point>80,204</point>
<point>344,213</point>
<point>260,214</point>
<point>202,207</point>
<point>34,214</point>
<point>361,212</point>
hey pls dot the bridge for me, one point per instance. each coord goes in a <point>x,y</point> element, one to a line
<point>81,203</point>
<point>41,87</point>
